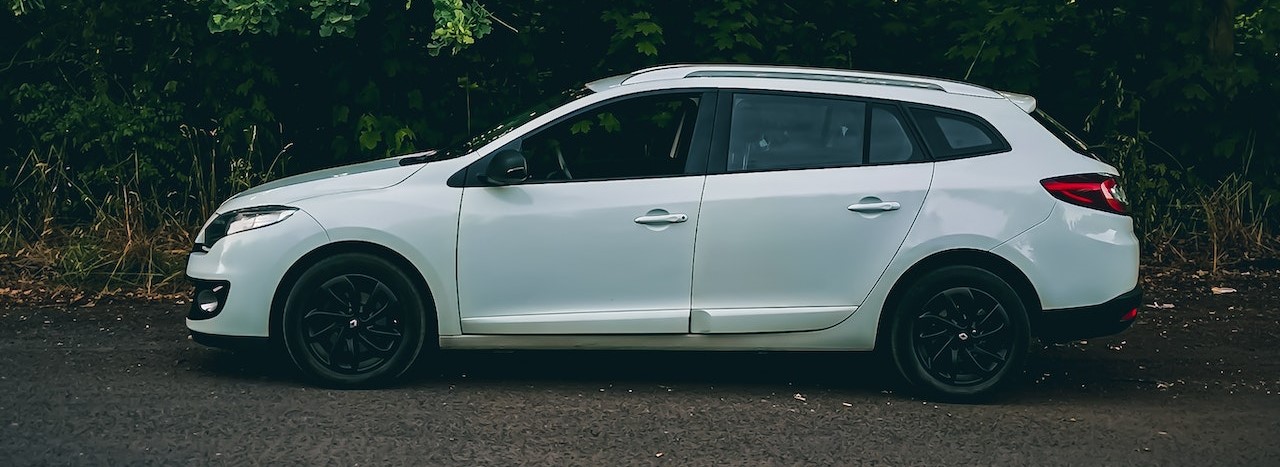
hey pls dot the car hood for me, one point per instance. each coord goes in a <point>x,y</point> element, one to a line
<point>370,175</point>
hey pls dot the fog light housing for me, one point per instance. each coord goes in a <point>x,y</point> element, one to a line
<point>208,299</point>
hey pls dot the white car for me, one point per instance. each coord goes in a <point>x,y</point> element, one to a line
<point>692,207</point>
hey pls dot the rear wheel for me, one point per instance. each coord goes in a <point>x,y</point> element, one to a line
<point>354,320</point>
<point>959,333</point>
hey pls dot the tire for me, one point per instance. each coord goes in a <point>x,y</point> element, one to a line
<point>959,333</point>
<point>354,320</point>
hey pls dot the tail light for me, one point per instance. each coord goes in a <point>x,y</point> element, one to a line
<point>1096,191</point>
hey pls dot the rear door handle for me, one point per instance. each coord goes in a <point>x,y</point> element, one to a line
<point>662,219</point>
<point>875,207</point>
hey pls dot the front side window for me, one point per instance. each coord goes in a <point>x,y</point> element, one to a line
<point>769,132</point>
<point>647,136</point>
<point>511,123</point>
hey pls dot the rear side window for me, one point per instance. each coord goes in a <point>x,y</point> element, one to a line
<point>770,132</point>
<point>954,134</point>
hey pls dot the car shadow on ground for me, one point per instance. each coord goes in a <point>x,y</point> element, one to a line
<point>1053,373</point>
<point>850,370</point>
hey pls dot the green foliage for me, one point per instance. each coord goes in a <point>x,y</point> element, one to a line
<point>339,16</point>
<point>731,29</point>
<point>139,93</point>
<point>458,25</point>
<point>636,30</point>
<point>252,16</point>
<point>266,16</point>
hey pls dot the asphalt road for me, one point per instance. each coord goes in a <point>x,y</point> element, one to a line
<point>119,383</point>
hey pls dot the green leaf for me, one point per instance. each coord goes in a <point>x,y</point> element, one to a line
<point>648,28</point>
<point>369,138</point>
<point>609,122</point>
<point>647,48</point>
<point>403,138</point>
<point>581,127</point>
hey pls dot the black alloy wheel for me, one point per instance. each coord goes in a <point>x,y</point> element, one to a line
<point>959,334</point>
<point>354,320</point>
<point>963,336</point>
<point>353,324</point>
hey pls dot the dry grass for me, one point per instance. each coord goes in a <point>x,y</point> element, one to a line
<point>126,236</point>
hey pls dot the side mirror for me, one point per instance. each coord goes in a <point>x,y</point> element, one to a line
<point>505,168</point>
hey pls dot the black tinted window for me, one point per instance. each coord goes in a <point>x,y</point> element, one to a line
<point>772,132</point>
<point>889,139</point>
<point>953,134</point>
<point>791,132</point>
<point>646,136</point>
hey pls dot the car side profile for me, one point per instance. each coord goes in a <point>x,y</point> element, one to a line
<point>693,207</point>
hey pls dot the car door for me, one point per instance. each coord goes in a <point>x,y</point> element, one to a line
<point>599,239</point>
<point>813,198</point>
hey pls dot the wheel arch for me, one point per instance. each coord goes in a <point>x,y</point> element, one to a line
<point>348,246</point>
<point>964,257</point>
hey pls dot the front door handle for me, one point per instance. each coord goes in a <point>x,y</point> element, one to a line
<point>875,207</point>
<point>662,219</point>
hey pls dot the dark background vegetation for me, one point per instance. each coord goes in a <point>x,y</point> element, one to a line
<point>123,123</point>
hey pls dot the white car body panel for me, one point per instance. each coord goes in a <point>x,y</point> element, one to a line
<point>370,175</point>
<point>995,207</point>
<point>426,238</point>
<point>674,321</point>
<point>256,260</point>
<point>800,246</point>
<point>575,250</point>
<point>757,319</point>
<point>857,333</point>
<point>1076,239</point>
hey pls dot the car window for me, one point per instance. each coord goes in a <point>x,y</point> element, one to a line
<point>645,136</point>
<point>511,123</point>
<point>889,139</point>
<point>952,134</point>
<point>793,132</point>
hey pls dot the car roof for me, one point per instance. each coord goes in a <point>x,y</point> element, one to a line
<point>694,71</point>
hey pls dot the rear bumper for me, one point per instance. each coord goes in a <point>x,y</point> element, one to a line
<point>1112,317</point>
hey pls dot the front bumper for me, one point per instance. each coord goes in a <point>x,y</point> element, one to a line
<point>1112,317</point>
<point>234,343</point>
<point>249,266</point>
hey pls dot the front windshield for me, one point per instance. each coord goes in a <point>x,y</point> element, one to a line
<point>513,122</point>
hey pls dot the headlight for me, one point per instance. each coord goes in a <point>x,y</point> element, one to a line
<point>241,220</point>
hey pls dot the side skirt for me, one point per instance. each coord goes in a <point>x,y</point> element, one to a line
<point>857,333</point>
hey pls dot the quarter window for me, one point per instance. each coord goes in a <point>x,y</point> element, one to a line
<point>951,134</point>
<point>769,132</point>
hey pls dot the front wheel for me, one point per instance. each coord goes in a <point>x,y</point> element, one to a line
<point>354,320</point>
<point>959,333</point>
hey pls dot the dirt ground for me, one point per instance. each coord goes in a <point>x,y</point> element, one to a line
<point>1195,382</point>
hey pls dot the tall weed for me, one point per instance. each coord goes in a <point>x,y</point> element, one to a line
<point>133,233</point>
<point>1180,217</point>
